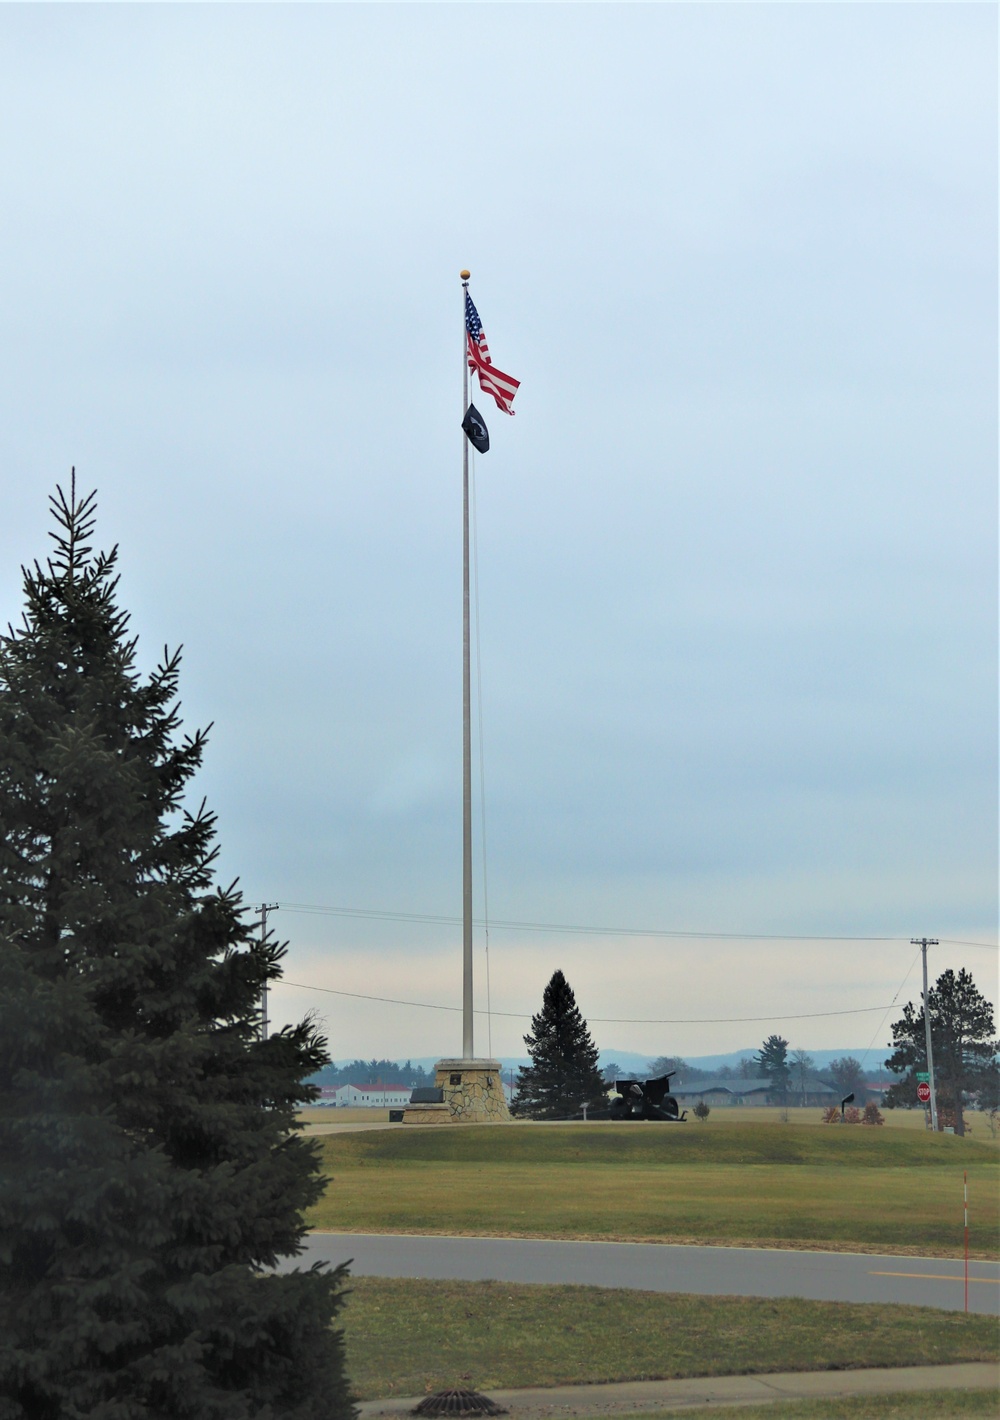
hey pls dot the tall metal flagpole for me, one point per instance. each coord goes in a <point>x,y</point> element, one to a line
<point>467,1044</point>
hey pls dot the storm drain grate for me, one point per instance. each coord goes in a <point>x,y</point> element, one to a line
<point>458,1402</point>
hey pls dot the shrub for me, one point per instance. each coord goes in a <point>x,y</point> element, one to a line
<point>872,1114</point>
<point>831,1115</point>
<point>852,1115</point>
<point>701,1110</point>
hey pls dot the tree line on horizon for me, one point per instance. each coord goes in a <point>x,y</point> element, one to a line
<point>382,1072</point>
<point>562,1079</point>
<point>793,1073</point>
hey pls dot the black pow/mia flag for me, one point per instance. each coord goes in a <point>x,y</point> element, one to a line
<point>476,430</point>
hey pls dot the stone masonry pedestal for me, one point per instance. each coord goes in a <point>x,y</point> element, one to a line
<point>473,1094</point>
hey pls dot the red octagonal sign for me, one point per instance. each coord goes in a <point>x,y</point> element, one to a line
<point>924,1093</point>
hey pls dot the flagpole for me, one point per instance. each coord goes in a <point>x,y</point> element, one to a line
<point>467,1043</point>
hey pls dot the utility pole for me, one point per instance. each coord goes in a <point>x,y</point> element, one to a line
<point>265,908</point>
<point>923,943</point>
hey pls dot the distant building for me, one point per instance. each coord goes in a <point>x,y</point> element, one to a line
<point>877,1089</point>
<point>373,1095</point>
<point>716,1092</point>
<point>729,1092</point>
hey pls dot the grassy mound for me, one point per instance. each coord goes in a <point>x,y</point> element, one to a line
<point>659,1146</point>
<point>766,1185</point>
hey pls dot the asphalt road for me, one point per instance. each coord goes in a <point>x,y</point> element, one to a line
<point>662,1267</point>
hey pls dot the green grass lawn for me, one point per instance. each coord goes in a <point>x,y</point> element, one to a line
<point>762,1184</point>
<point>412,1337</point>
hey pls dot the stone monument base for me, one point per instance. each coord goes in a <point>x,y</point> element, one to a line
<point>472,1093</point>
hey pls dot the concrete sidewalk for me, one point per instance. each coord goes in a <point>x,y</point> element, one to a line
<point>633,1397</point>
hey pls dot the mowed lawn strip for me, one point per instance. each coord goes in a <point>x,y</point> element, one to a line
<point>900,1405</point>
<point>408,1337</point>
<point>766,1185</point>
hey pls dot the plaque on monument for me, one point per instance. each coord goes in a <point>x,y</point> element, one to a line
<point>426,1094</point>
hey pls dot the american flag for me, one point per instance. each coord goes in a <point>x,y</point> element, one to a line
<point>492,381</point>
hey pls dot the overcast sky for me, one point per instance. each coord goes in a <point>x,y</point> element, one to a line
<point>737,550</point>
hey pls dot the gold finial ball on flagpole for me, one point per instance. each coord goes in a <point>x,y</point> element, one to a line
<point>465,275</point>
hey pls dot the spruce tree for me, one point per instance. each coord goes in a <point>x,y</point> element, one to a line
<point>962,1042</point>
<point>151,1171</point>
<point>773,1063</point>
<point>563,1074</point>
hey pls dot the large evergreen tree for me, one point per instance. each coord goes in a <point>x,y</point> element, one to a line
<point>961,1040</point>
<point>563,1074</point>
<point>151,1173</point>
<point>772,1061</point>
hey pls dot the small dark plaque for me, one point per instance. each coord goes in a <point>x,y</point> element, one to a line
<point>426,1094</point>
<point>395,1116</point>
<point>454,1079</point>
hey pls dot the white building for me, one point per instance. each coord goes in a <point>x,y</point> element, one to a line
<point>373,1095</point>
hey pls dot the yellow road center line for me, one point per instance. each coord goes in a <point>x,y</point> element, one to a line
<point>939,1277</point>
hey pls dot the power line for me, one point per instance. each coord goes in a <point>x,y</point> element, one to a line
<point>598,1020</point>
<point>881,1025</point>
<point>441,920</point>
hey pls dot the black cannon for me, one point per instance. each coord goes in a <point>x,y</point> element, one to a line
<point>647,1099</point>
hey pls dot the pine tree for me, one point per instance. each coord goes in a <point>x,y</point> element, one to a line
<point>961,1040</point>
<point>773,1063</point>
<point>563,1074</point>
<point>151,1174</point>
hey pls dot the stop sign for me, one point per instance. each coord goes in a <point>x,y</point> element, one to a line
<point>924,1093</point>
